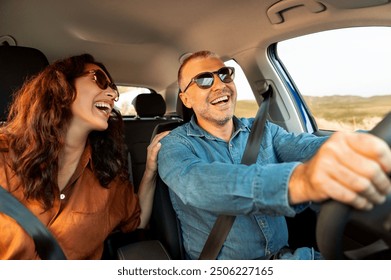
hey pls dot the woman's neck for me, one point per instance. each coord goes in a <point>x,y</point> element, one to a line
<point>69,158</point>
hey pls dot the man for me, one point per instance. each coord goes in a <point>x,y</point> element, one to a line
<point>200,162</point>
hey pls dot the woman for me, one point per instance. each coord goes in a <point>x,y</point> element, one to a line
<point>62,155</point>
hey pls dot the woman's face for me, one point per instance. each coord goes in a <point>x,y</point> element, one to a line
<point>93,105</point>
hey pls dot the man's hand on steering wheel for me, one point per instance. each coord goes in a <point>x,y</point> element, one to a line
<point>349,167</point>
<point>373,227</point>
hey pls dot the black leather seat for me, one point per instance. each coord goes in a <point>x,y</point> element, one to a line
<point>164,222</point>
<point>149,105</point>
<point>150,108</point>
<point>16,65</point>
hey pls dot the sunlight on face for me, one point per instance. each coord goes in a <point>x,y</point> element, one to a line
<point>214,105</point>
<point>92,106</point>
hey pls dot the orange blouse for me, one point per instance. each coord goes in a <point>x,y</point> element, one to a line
<point>82,216</point>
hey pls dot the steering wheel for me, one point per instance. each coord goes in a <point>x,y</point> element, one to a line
<point>336,218</point>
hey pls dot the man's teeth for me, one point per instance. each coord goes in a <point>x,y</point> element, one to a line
<point>220,99</point>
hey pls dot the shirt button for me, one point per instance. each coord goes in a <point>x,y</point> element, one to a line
<point>62,196</point>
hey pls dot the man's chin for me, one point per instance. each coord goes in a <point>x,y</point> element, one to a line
<point>224,121</point>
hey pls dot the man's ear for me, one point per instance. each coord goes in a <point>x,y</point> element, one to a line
<point>185,99</point>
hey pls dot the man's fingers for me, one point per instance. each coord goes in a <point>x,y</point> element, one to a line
<point>378,151</point>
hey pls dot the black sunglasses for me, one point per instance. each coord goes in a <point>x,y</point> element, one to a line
<point>102,82</point>
<point>205,80</point>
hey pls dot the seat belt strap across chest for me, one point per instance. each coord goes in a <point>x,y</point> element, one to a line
<point>224,223</point>
<point>45,244</point>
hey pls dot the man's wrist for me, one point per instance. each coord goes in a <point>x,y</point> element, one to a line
<point>296,193</point>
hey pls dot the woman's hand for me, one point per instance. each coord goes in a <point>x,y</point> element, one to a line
<point>152,152</point>
<point>148,182</point>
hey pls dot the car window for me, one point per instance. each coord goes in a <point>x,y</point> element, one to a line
<point>246,105</point>
<point>343,75</point>
<point>127,94</point>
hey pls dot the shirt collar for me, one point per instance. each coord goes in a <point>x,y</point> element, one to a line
<point>85,160</point>
<point>86,157</point>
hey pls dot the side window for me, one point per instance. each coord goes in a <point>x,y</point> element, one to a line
<point>343,75</point>
<point>126,96</point>
<point>246,104</point>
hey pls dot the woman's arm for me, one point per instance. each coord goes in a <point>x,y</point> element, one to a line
<point>147,186</point>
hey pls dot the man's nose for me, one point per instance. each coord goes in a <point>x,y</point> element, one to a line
<point>217,81</point>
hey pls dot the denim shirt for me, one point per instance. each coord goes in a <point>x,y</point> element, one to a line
<point>206,178</point>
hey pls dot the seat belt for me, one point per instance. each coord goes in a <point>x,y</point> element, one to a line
<point>45,244</point>
<point>224,223</point>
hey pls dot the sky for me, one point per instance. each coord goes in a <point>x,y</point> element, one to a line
<point>346,63</point>
<point>242,86</point>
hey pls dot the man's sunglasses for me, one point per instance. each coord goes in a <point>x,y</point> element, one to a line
<point>205,80</point>
<point>102,82</point>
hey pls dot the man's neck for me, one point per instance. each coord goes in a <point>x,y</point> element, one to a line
<point>222,131</point>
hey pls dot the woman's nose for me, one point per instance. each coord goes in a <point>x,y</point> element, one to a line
<point>112,93</point>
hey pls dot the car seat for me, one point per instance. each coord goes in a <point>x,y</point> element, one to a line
<point>149,105</point>
<point>164,222</point>
<point>150,108</point>
<point>16,65</point>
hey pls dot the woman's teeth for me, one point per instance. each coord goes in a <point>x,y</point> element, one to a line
<point>103,106</point>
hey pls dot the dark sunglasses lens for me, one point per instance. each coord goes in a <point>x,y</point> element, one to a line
<point>204,80</point>
<point>113,86</point>
<point>103,83</point>
<point>226,75</point>
<point>101,79</point>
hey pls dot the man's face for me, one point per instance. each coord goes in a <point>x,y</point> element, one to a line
<point>212,106</point>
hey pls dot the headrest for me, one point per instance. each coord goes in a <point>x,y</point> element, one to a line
<point>16,65</point>
<point>184,112</point>
<point>149,105</point>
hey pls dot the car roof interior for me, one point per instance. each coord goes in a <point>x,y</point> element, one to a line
<point>141,43</point>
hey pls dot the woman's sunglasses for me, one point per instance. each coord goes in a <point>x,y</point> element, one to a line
<point>102,82</point>
<point>205,80</point>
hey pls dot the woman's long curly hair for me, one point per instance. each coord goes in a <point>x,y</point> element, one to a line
<point>36,127</point>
